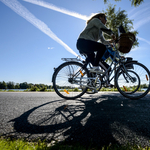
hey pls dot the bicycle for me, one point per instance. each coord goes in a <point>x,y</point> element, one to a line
<point>73,78</point>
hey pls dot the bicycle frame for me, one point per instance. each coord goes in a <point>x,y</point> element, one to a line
<point>114,68</point>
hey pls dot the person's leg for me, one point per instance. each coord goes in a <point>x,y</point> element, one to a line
<point>91,58</point>
<point>89,47</point>
<point>83,47</point>
<point>100,48</point>
<point>105,66</point>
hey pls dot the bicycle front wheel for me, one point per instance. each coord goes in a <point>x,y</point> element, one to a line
<point>134,83</point>
<point>70,80</point>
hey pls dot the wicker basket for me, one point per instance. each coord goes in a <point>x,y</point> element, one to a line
<point>126,41</point>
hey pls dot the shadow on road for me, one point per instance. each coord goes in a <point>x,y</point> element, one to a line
<point>99,120</point>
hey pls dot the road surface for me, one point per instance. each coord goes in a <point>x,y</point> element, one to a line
<point>101,118</point>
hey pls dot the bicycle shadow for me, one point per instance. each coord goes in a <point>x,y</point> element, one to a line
<point>98,120</point>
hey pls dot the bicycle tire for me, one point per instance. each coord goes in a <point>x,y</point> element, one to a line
<point>69,76</point>
<point>132,89</point>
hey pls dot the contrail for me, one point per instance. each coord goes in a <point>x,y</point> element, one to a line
<point>141,22</point>
<point>137,14</point>
<point>53,7</point>
<point>142,39</point>
<point>84,17</point>
<point>23,12</point>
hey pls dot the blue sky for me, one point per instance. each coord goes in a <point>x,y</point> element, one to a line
<point>36,34</point>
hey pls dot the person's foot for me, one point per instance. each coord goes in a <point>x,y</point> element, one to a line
<point>96,70</point>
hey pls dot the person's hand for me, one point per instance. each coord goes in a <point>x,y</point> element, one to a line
<point>111,44</point>
<point>122,57</point>
<point>113,37</point>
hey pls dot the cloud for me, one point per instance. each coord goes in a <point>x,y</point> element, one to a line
<point>23,12</point>
<point>53,7</point>
<point>137,13</point>
<point>142,39</point>
<point>141,22</point>
<point>50,47</point>
<point>136,53</point>
<point>140,15</point>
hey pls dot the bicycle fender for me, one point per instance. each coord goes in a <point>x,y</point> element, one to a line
<point>131,61</point>
<point>55,70</point>
<point>127,63</point>
<point>53,74</point>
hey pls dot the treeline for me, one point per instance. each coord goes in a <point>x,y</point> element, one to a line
<point>24,85</point>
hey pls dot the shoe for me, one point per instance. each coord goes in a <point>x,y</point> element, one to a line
<point>96,70</point>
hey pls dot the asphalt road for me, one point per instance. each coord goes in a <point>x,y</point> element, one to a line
<point>100,119</point>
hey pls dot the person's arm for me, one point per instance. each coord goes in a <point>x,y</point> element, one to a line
<point>103,40</point>
<point>108,42</point>
<point>97,22</point>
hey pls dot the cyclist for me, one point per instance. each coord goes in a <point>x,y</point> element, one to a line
<point>88,40</point>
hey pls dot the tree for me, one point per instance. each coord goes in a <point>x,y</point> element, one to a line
<point>17,86</point>
<point>10,85</point>
<point>24,85</point>
<point>30,85</point>
<point>133,2</point>
<point>3,85</point>
<point>34,88</point>
<point>116,18</point>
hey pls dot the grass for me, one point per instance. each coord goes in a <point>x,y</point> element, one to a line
<point>62,90</point>
<point>28,90</point>
<point>7,144</point>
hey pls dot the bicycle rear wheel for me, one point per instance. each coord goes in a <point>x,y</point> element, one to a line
<point>133,83</point>
<point>70,80</point>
